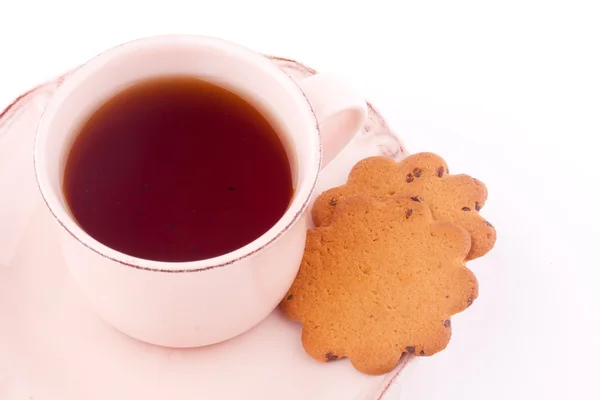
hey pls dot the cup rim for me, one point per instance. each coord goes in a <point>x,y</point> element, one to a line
<point>304,189</point>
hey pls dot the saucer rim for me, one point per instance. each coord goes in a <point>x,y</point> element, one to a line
<point>12,111</point>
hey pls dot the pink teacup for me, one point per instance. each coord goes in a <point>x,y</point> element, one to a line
<point>197,303</point>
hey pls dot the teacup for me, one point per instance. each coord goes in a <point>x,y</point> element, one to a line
<point>188,304</point>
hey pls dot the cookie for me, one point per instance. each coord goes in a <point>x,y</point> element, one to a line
<point>382,279</point>
<point>424,176</point>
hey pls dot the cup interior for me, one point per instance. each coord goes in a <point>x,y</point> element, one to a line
<point>248,74</point>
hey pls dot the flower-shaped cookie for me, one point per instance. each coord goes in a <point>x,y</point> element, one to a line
<point>424,176</point>
<point>382,279</point>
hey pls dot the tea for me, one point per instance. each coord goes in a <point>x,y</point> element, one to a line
<point>177,169</point>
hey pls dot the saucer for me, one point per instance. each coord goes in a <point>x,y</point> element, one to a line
<point>53,347</point>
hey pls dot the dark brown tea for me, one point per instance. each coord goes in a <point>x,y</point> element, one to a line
<point>177,169</point>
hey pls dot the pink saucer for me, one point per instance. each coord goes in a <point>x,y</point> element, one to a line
<point>53,347</point>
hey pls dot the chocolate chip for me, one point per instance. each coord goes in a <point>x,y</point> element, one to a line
<point>291,296</point>
<point>409,178</point>
<point>422,352</point>
<point>417,172</point>
<point>333,202</point>
<point>447,323</point>
<point>331,357</point>
<point>469,301</point>
<point>440,172</point>
<point>488,224</point>
<point>466,209</point>
<point>408,213</point>
<point>416,198</point>
<point>410,349</point>
<point>477,206</point>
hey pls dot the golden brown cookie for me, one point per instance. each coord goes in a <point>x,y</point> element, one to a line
<point>424,176</point>
<point>382,279</point>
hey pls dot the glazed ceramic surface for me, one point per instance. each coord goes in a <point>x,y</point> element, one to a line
<point>203,302</point>
<point>54,347</point>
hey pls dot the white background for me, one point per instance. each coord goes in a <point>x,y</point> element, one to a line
<point>507,91</point>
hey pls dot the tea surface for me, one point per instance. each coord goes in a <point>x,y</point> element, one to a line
<point>177,169</point>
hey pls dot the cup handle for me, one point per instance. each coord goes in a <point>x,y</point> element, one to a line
<point>341,112</point>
